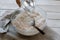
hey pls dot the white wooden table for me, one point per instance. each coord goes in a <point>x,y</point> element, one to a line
<point>52,9</point>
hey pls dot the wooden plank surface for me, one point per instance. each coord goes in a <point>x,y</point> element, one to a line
<point>50,8</point>
<point>53,23</point>
<point>53,15</point>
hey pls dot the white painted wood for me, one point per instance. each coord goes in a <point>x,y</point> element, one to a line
<point>8,4</point>
<point>48,2</point>
<point>2,12</point>
<point>50,8</point>
<point>53,15</point>
<point>53,23</point>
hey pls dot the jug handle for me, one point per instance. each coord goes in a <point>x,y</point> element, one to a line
<point>18,2</point>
